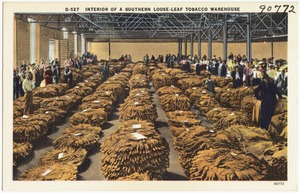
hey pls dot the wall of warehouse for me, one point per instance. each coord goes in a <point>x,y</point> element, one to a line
<point>138,49</point>
<point>43,35</point>
<point>22,42</point>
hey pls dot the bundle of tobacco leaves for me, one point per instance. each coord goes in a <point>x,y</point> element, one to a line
<point>53,172</point>
<point>94,117</point>
<point>64,155</point>
<point>139,150</point>
<point>225,165</point>
<point>20,151</point>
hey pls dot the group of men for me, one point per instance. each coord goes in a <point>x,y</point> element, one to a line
<point>31,76</point>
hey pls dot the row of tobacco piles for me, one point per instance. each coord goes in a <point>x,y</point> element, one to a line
<point>93,101</point>
<point>136,150</point>
<point>233,148</point>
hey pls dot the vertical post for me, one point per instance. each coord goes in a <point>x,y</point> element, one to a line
<point>180,47</point>
<point>225,37</point>
<point>109,51</point>
<point>32,27</point>
<point>199,45</point>
<point>185,46</point>
<point>249,54</point>
<point>272,49</point>
<point>82,44</point>
<point>192,46</point>
<point>209,39</point>
<point>75,43</point>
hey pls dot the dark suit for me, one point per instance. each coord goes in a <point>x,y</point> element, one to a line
<point>237,82</point>
<point>267,95</point>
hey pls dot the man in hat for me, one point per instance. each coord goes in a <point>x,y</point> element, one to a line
<point>16,80</point>
<point>28,86</point>
<point>256,76</point>
<point>105,71</point>
<point>271,72</point>
<point>210,84</point>
<point>267,92</point>
<point>48,75</point>
<point>23,65</point>
<point>68,76</point>
<point>237,77</point>
<point>247,74</point>
<point>36,74</point>
<point>22,75</point>
<point>281,82</point>
<point>55,73</point>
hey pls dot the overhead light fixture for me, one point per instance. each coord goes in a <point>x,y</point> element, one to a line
<point>68,19</point>
<point>74,32</point>
<point>30,19</point>
<point>64,29</point>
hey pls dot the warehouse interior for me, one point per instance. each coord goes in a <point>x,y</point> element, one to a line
<point>144,119</point>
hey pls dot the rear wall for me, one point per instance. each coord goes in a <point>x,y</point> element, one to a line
<point>138,49</point>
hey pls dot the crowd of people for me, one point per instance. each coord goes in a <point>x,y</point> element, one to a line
<point>43,74</point>
<point>126,58</point>
<point>237,67</point>
<point>269,75</point>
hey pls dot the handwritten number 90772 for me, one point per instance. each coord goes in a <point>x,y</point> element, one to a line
<point>277,8</point>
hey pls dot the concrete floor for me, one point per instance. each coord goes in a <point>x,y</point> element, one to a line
<point>91,169</point>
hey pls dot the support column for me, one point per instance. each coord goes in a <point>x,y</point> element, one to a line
<point>82,44</point>
<point>209,39</point>
<point>75,43</point>
<point>109,51</point>
<point>272,48</point>
<point>180,47</point>
<point>192,46</point>
<point>225,37</point>
<point>32,27</point>
<point>185,46</point>
<point>249,51</point>
<point>199,45</point>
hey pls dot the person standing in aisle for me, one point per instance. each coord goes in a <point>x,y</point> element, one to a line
<point>210,84</point>
<point>188,65</point>
<point>271,72</point>
<point>281,82</point>
<point>28,87</point>
<point>55,74</point>
<point>267,92</point>
<point>171,62</point>
<point>256,77</point>
<point>68,76</point>
<point>16,80</point>
<point>105,71</point>
<point>230,57</point>
<point>36,74</point>
<point>198,68</point>
<point>237,76</point>
<point>247,74</point>
<point>216,67</point>
<point>23,65</point>
<point>22,76</point>
<point>224,69</point>
<point>48,75</point>
<point>146,59</point>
